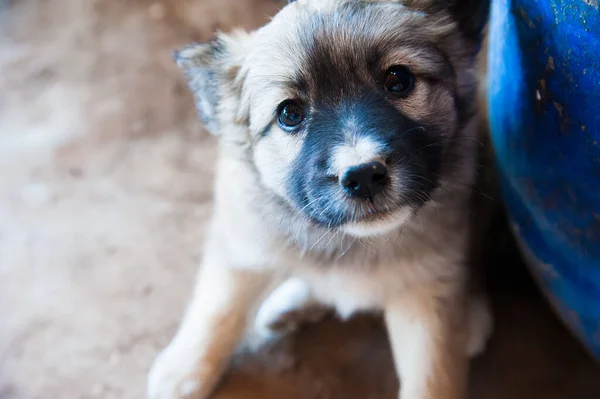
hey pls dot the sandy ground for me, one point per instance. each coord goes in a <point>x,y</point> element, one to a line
<point>105,190</point>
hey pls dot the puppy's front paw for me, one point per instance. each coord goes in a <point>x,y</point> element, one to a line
<point>286,309</point>
<point>178,374</point>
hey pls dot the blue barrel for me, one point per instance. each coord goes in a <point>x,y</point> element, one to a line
<point>544,109</point>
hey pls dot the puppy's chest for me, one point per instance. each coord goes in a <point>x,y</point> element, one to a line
<point>352,288</point>
<point>347,292</point>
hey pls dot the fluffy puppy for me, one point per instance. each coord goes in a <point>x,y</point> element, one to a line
<point>348,150</point>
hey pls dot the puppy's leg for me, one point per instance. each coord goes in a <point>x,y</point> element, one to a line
<point>481,325</point>
<point>192,364</point>
<point>286,308</point>
<point>427,335</point>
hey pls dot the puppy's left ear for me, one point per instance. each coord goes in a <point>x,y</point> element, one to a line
<point>212,70</point>
<point>471,15</point>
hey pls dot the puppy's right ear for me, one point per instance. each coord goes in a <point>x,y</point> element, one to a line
<point>197,63</point>
<point>211,70</point>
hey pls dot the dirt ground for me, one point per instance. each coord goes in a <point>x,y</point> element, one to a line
<point>105,190</point>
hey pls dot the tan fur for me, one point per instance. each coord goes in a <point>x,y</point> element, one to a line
<point>411,266</point>
<point>427,338</point>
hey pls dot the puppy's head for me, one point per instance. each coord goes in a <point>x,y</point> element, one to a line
<point>354,111</point>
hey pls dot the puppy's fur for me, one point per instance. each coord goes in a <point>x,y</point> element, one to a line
<point>282,219</point>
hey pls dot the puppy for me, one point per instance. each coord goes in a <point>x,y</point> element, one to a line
<point>348,150</point>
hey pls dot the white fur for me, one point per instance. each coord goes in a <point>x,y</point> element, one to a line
<point>292,295</point>
<point>280,149</point>
<point>412,347</point>
<point>356,151</point>
<point>379,227</point>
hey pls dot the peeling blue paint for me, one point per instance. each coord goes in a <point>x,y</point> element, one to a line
<point>544,106</point>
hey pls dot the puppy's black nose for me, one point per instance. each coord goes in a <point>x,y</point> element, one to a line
<point>366,180</point>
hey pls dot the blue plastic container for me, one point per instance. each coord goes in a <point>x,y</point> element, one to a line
<point>544,106</point>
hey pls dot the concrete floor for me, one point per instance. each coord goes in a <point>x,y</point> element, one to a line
<point>105,189</point>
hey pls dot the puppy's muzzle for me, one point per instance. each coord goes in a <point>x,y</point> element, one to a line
<point>365,181</point>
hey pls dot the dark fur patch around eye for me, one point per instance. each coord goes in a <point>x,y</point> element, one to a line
<point>346,49</point>
<point>413,151</point>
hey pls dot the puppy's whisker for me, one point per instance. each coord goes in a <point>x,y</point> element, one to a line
<point>319,240</point>
<point>332,237</point>
<point>422,128</point>
<point>300,212</point>
<point>348,248</point>
<point>436,144</point>
<point>272,230</point>
<point>474,139</point>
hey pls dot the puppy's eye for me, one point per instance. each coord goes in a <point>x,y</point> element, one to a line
<point>399,81</point>
<point>291,114</point>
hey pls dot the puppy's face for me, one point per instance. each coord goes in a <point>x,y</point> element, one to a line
<point>350,107</point>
